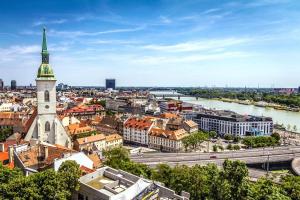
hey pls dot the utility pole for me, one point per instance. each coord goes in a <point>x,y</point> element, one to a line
<point>268,163</point>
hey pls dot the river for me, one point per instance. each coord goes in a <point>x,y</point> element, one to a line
<point>279,116</point>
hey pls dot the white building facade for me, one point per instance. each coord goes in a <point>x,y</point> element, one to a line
<point>235,124</point>
<point>137,131</point>
<point>170,141</point>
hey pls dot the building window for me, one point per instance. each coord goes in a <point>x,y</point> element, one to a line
<point>47,98</point>
<point>47,127</point>
<point>80,196</point>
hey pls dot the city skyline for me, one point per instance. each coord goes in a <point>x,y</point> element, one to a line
<point>157,43</point>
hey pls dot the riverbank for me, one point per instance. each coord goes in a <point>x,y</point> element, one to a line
<point>289,120</point>
<point>285,118</point>
<point>259,104</point>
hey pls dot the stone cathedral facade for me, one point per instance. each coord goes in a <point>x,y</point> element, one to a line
<point>47,127</point>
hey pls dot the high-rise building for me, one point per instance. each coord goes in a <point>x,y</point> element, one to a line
<point>110,84</point>
<point>13,85</point>
<point>1,84</point>
<point>62,86</point>
<point>47,127</point>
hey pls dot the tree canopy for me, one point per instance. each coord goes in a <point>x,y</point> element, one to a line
<point>209,182</point>
<point>47,184</point>
<point>261,141</point>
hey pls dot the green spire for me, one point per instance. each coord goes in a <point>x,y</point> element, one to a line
<point>44,45</point>
<point>45,71</point>
<point>45,54</point>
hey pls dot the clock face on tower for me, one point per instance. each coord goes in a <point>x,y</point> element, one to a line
<point>47,106</point>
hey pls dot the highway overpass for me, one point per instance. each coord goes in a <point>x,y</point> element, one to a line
<point>253,156</point>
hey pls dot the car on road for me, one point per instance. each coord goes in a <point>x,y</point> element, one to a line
<point>213,157</point>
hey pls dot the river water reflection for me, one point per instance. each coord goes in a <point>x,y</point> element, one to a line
<point>279,116</point>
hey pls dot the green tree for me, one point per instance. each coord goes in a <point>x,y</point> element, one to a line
<point>229,147</point>
<point>47,184</point>
<point>221,147</point>
<point>236,147</point>
<point>116,156</point>
<point>260,141</point>
<point>119,158</point>
<point>276,136</point>
<point>228,137</point>
<point>181,178</point>
<point>291,186</point>
<point>163,173</point>
<point>5,133</point>
<point>215,148</point>
<point>237,139</point>
<point>212,134</point>
<point>69,173</point>
<point>6,174</point>
<point>266,189</point>
<point>50,185</point>
<point>194,140</point>
<point>21,188</point>
<point>236,173</point>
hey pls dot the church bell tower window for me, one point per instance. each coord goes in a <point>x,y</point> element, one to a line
<point>47,97</point>
<point>47,126</point>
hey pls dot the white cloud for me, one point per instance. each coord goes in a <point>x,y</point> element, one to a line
<point>46,22</point>
<point>53,32</point>
<point>198,45</point>
<point>17,49</point>
<point>158,60</point>
<point>28,52</point>
<point>114,42</point>
<point>211,10</point>
<point>259,3</point>
<point>165,20</point>
<point>18,52</point>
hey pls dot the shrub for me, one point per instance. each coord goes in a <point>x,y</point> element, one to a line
<point>236,147</point>
<point>215,148</point>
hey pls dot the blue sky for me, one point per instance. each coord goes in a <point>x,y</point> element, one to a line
<point>154,43</point>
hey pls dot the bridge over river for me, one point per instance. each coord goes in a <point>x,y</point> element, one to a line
<point>169,94</point>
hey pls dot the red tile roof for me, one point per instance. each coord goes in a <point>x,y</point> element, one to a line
<point>86,170</point>
<point>168,115</point>
<point>91,139</point>
<point>142,124</point>
<point>4,156</point>
<point>171,135</point>
<point>74,129</point>
<point>96,160</point>
<point>113,137</point>
<point>32,156</point>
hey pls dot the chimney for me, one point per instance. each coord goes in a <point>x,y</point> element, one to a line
<point>2,147</point>
<point>46,153</point>
<point>11,154</point>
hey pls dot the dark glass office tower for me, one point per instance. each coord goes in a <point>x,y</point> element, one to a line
<point>110,83</point>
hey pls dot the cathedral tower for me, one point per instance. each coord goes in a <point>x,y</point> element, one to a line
<point>45,82</point>
<point>47,126</point>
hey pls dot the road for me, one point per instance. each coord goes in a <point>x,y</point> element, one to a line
<point>248,156</point>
